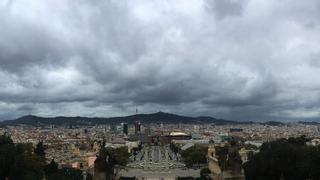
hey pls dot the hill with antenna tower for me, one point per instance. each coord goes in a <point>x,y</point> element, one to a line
<point>143,118</point>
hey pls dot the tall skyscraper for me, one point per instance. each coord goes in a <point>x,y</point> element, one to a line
<point>137,127</point>
<point>125,128</point>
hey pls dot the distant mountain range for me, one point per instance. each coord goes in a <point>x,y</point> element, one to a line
<point>159,117</point>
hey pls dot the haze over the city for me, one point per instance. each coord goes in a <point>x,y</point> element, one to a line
<point>234,59</point>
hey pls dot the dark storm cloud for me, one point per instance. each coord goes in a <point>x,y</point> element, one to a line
<point>25,43</point>
<point>315,60</point>
<point>226,8</point>
<point>246,60</point>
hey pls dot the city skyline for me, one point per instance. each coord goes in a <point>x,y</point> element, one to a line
<point>239,60</point>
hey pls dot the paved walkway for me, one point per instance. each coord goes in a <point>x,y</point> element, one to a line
<point>157,163</point>
<point>147,175</point>
<point>155,158</point>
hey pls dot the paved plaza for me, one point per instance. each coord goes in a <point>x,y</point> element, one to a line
<point>155,158</point>
<point>157,162</point>
<point>158,175</point>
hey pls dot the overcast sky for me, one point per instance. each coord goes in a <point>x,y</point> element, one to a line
<point>236,59</point>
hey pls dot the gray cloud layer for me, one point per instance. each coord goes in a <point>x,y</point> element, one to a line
<point>235,59</point>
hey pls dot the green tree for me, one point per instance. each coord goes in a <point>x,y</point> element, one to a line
<point>23,162</point>
<point>284,159</point>
<point>120,155</point>
<point>174,148</point>
<point>51,168</point>
<point>66,174</point>
<point>39,150</point>
<point>17,161</point>
<point>195,155</point>
<point>204,172</point>
<point>5,140</point>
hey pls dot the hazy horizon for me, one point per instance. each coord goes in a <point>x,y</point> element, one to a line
<point>241,60</point>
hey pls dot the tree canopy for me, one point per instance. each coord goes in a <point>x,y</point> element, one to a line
<point>23,162</point>
<point>120,155</point>
<point>17,161</point>
<point>288,159</point>
<point>194,156</point>
<point>39,150</point>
